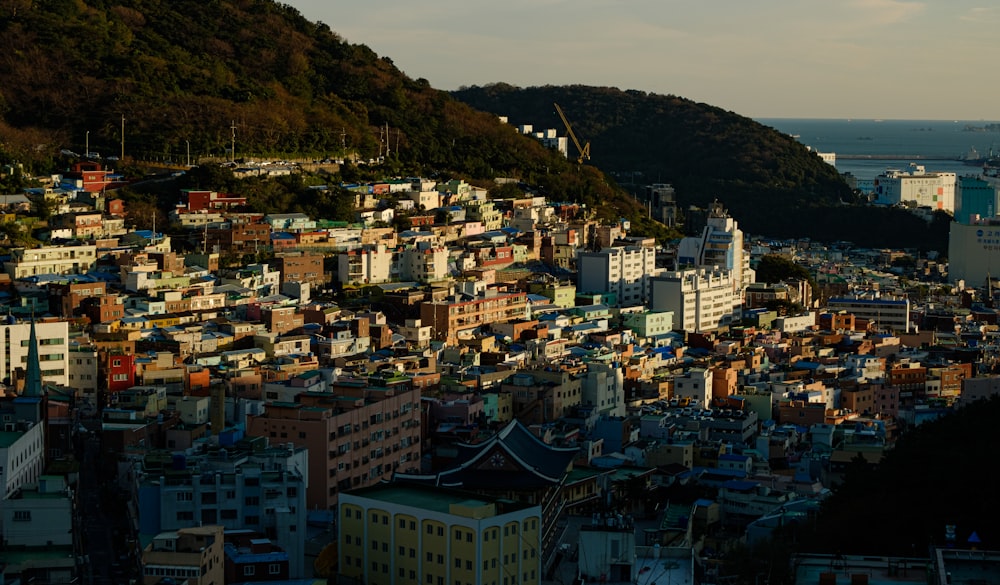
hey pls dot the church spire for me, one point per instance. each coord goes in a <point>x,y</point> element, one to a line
<point>33,377</point>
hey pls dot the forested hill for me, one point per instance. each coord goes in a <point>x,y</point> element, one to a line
<point>703,150</point>
<point>197,75</point>
<point>184,72</point>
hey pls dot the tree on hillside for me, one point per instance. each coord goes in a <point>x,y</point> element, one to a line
<point>774,268</point>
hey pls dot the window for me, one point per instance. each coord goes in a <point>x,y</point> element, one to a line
<point>274,569</point>
<point>184,496</point>
<point>248,570</point>
<point>22,515</point>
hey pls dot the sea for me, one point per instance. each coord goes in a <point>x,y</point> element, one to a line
<point>867,148</point>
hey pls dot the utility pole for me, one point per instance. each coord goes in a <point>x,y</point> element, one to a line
<point>86,152</point>
<point>232,149</point>
<point>188,142</point>
<point>123,138</point>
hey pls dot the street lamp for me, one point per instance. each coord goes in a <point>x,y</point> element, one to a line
<point>86,152</point>
<point>188,142</point>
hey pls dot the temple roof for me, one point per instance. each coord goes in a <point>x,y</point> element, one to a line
<point>513,458</point>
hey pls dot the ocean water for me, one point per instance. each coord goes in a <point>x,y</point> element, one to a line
<point>938,145</point>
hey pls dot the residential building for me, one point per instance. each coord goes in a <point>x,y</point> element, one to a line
<point>263,490</point>
<point>719,246</point>
<point>38,515</point>
<point>191,555</point>
<point>623,270</point>
<point>700,299</point>
<point>301,267</point>
<point>51,260</point>
<point>22,451</point>
<point>356,435</point>
<point>457,314</point>
<point>53,350</point>
<point>369,265</point>
<point>887,313</point>
<point>403,532</point>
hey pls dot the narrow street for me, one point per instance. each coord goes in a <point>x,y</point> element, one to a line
<point>96,522</point>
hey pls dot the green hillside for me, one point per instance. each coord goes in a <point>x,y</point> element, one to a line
<point>769,181</point>
<point>169,78</point>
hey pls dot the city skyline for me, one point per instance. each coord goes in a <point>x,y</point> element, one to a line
<point>889,59</point>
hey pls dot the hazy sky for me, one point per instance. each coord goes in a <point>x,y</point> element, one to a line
<point>759,58</point>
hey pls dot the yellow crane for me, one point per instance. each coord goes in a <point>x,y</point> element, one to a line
<point>583,150</point>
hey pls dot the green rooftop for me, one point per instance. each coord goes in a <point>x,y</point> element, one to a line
<point>8,438</point>
<point>429,498</point>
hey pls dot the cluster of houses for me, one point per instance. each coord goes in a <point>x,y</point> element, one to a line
<point>492,369</point>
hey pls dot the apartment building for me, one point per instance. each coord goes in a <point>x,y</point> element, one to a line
<point>53,350</point>
<point>190,555</point>
<point>886,313</point>
<point>700,299</point>
<point>301,267</point>
<point>623,270</point>
<point>51,260</point>
<point>264,491</point>
<point>356,435</point>
<point>457,314</point>
<point>408,533</point>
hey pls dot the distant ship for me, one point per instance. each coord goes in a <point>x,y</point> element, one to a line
<point>972,157</point>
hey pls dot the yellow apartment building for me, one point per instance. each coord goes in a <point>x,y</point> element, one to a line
<point>408,533</point>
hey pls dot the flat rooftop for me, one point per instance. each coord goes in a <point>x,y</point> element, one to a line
<point>431,498</point>
<point>879,570</point>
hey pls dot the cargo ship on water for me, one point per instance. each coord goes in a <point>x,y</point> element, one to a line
<point>974,158</point>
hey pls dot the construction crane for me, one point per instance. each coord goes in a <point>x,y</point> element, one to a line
<point>583,150</point>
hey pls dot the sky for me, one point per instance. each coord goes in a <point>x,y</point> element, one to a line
<point>889,59</point>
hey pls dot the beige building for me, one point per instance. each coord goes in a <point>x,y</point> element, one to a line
<point>50,260</point>
<point>192,555</point>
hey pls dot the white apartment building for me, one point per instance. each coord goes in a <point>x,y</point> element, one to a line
<point>623,270</point>
<point>603,388</point>
<point>700,299</point>
<point>53,350</point>
<point>51,260</point>
<point>22,455</point>
<point>695,385</point>
<point>371,264</point>
<point>423,262</point>
<point>934,190</point>
<point>720,245</point>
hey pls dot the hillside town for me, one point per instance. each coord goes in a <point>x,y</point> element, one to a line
<point>457,388</point>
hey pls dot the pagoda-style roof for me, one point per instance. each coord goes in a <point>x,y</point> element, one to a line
<point>514,458</point>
